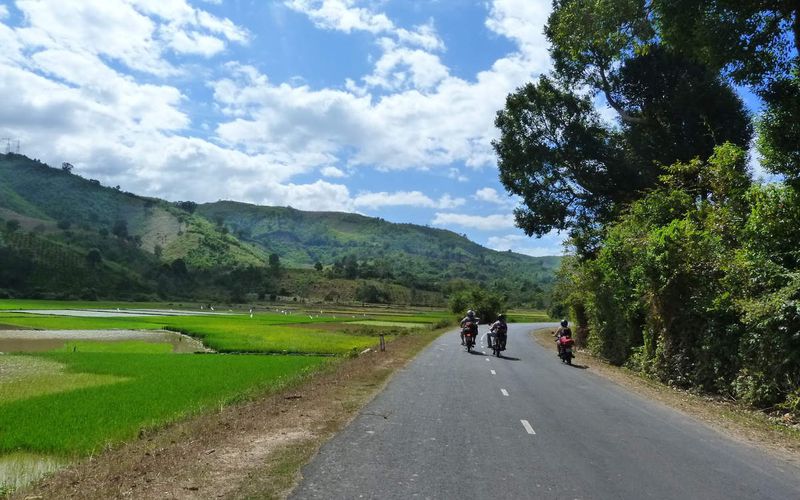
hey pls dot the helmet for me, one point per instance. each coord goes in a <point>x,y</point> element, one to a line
<point>564,323</point>
<point>501,317</point>
<point>471,313</point>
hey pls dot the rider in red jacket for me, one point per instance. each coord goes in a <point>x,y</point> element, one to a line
<point>563,332</point>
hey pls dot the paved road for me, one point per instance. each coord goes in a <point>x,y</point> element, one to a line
<point>559,432</point>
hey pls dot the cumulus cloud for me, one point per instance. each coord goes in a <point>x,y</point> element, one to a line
<point>403,68</point>
<point>493,222</point>
<point>344,15</point>
<point>428,119</point>
<point>333,172</point>
<point>405,198</point>
<point>548,245</point>
<point>454,173</point>
<point>101,83</point>
<point>490,195</point>
<point>134,32</point>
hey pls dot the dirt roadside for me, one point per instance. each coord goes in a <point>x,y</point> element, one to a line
<point>747,426</point>
<point>253,449</point>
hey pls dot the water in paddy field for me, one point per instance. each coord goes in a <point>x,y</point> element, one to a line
<point>48,340</point>
<point>20,469</point>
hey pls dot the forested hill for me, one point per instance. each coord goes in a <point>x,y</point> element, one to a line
<point>65,236</point>
<point>409,252</point>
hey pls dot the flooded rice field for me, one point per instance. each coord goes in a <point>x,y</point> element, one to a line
<point>20,469</point>
<point>48,340</point>
<point>116,313</point>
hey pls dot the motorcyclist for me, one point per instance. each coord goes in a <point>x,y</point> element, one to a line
<point>498,331</point>
<point>563,330</point>
<point>565,342</point>
<point>469,322</point>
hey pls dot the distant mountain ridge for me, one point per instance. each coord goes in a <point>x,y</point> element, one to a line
<point>148,245</point>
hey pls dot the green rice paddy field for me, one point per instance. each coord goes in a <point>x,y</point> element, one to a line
<point>263,333</point>
<point>85,395</point>
<point>77,399</point>
<point>108,397</point>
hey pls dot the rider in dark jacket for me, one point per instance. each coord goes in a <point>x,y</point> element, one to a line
<point>472,321</point>
<point>498,331</point>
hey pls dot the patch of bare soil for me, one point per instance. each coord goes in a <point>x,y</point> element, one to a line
<point>731,418</point>
<point>251,449</point>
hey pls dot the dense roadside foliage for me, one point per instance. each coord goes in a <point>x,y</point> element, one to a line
<point>684,268</point>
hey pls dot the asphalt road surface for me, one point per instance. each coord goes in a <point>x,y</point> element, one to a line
<point>461,426</point>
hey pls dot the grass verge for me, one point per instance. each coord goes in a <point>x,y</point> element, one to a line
<point>747,425</point>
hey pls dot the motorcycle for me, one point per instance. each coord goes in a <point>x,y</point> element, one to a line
<point>470,331</point>
<point>565,351</point>
<point>499,344</point>
<point>469,340</point>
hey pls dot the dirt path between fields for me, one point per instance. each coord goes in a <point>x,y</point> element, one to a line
<point>254,448</point>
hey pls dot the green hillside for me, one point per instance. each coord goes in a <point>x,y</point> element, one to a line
<point>65,236</point>
<point>416,256</point>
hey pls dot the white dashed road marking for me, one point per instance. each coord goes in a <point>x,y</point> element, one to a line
<point>505,392</point>
<point>528,427</point>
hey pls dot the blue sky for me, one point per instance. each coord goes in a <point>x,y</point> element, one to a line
<point>382,107</point>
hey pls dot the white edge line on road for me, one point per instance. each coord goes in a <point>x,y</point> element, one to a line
<point>493,372</point>
<point>528,427</point>
<point>505,392</point>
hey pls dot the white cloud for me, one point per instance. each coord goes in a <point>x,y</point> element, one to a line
<point>333,172</point>
<point>133,32</point>
<point>402,68</point>
<point>317,196</point>
<point>428,119</point>
<point>343,15</point>
<point>449,202</point>
<point>548,245</point>
<point>451,122</point>
<point>454,173</point>
<point>490,195</point>
<point>100,83</point>
<point>494,222</point>
<point>405,198</point>
<point>523,22</point>
<point>3,12</point>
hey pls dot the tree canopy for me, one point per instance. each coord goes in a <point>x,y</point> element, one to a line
<point>683,267</point>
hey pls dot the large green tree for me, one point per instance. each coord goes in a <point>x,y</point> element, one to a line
<point>555,153</point>
<point>575,172</point>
